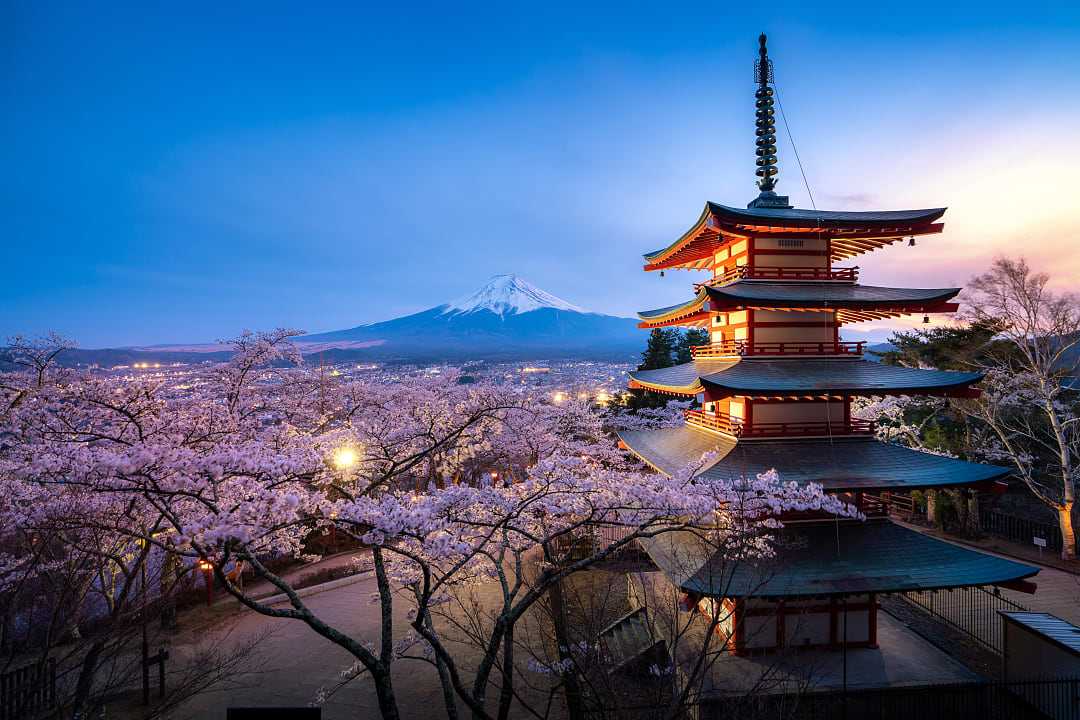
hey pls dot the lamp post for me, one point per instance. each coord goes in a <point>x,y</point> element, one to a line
<point>207,568</point>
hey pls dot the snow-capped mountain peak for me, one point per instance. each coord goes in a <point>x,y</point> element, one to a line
<point>508,295</point>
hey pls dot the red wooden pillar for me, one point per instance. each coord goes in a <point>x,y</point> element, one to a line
<point>834,623</point>
<point>781,628</point>
<point>873,621</point>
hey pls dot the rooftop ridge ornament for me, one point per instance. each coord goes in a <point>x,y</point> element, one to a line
<point>766,132</point>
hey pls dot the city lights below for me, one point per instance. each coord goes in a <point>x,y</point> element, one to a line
<point>603,397</point>
<point>558,397</point>
<point>344,458</point>
<point>529,369</point>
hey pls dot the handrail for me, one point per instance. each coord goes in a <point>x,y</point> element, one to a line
<point>725,423</point>
<point>744,348</point>
<point>748,272</point>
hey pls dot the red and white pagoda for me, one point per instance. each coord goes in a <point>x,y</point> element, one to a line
<point>775,386</point>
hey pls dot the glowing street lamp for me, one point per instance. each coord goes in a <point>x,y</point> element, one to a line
<point>207,568</point>
<point>344,458</point>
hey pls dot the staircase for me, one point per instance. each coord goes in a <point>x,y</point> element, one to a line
<point>630,645</point>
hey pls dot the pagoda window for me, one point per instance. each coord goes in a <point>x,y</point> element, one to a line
<point>791,253</point>
<point>800,412</point>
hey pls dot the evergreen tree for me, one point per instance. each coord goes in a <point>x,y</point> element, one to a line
<point>688,339</point>
<point>660,350</point>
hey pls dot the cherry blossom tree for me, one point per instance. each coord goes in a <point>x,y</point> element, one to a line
<point>449,486</point>
<point>1029,403</point>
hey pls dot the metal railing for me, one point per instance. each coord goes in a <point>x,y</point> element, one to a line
<point>975,700</point>
<point>28,691</point>
<point>744,348</point>
<point>722,422</point>
<point>746,272</point>
<point>1020,529</point>
<point>972,610</point>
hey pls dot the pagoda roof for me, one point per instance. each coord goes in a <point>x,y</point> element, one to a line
<point>839,465</point>
<point>852,232</point>
<point>831,558</point>
<point>691,311</point>
<point>796,217</point>
<point>756,293</point>
<point>760,377</point>
<point>855,303</point>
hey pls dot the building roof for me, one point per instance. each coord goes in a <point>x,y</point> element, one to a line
<point>831,558</point>
<point>683,311</point>
<point>1061,632</point>
<point>838,465</point>
<point>752,376</point>
<point>797,217</point>
<point>852,232</point>
<point>755,293</point>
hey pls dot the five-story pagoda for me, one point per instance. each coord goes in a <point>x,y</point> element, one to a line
<point>776,385</point>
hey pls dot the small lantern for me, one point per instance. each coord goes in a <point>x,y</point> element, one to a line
<point>911,241</point>
<point>661,273</point>
<point>926,318</point>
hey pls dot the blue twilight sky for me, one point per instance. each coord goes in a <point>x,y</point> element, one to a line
<point>182,173</point>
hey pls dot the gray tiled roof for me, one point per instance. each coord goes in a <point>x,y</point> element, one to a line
<point>763,376</point>
<point>670,450</point>
<point>837,465</point>
<point>831,216</point>
<point>683,375</point>
<point>826,295</point>
<point>831,558</point>
<point>751,376</point>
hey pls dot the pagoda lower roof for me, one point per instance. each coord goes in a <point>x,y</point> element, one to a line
<point>771,378</point>
<point>831,559</point>
<point>853,232</point>
<point>839,465</point>
<point>824,295</point>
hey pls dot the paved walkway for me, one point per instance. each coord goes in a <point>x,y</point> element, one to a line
<point>1058,591</point>
<point>296,662</point>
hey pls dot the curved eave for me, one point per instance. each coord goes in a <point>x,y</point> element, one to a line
<point>684,379</point>
<point>772,378</point>
<point>839,465</point>
<point>832,559</point>
<point>691,311</point>
<point>708,238</point>
<point>852,233</point>
<point>671,450</point>
<point>813,220</point>
<point>825,296</point>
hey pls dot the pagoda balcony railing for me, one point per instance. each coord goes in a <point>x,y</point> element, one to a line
<point>784,274</point>
<point>744,348</point>
<point>737,427</point>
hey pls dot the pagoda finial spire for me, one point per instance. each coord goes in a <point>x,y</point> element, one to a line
<point>766,131</point>
<point>766,122</point>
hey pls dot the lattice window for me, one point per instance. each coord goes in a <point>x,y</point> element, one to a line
<point>789,243</point>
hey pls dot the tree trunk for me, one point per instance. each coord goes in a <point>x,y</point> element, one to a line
<point>931,507</point>
<point>1068,533</point>
<point>974,528</point>
<point>85,683</point>
<point>168,592</point>
<point>384,690</point>
<point>572,689</point>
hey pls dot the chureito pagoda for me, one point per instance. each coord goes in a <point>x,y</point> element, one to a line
<point>775,386</point>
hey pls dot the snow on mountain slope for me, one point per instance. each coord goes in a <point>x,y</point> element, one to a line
<point>508,295</point>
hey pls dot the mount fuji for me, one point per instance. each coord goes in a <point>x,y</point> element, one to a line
<point>507,318</point>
